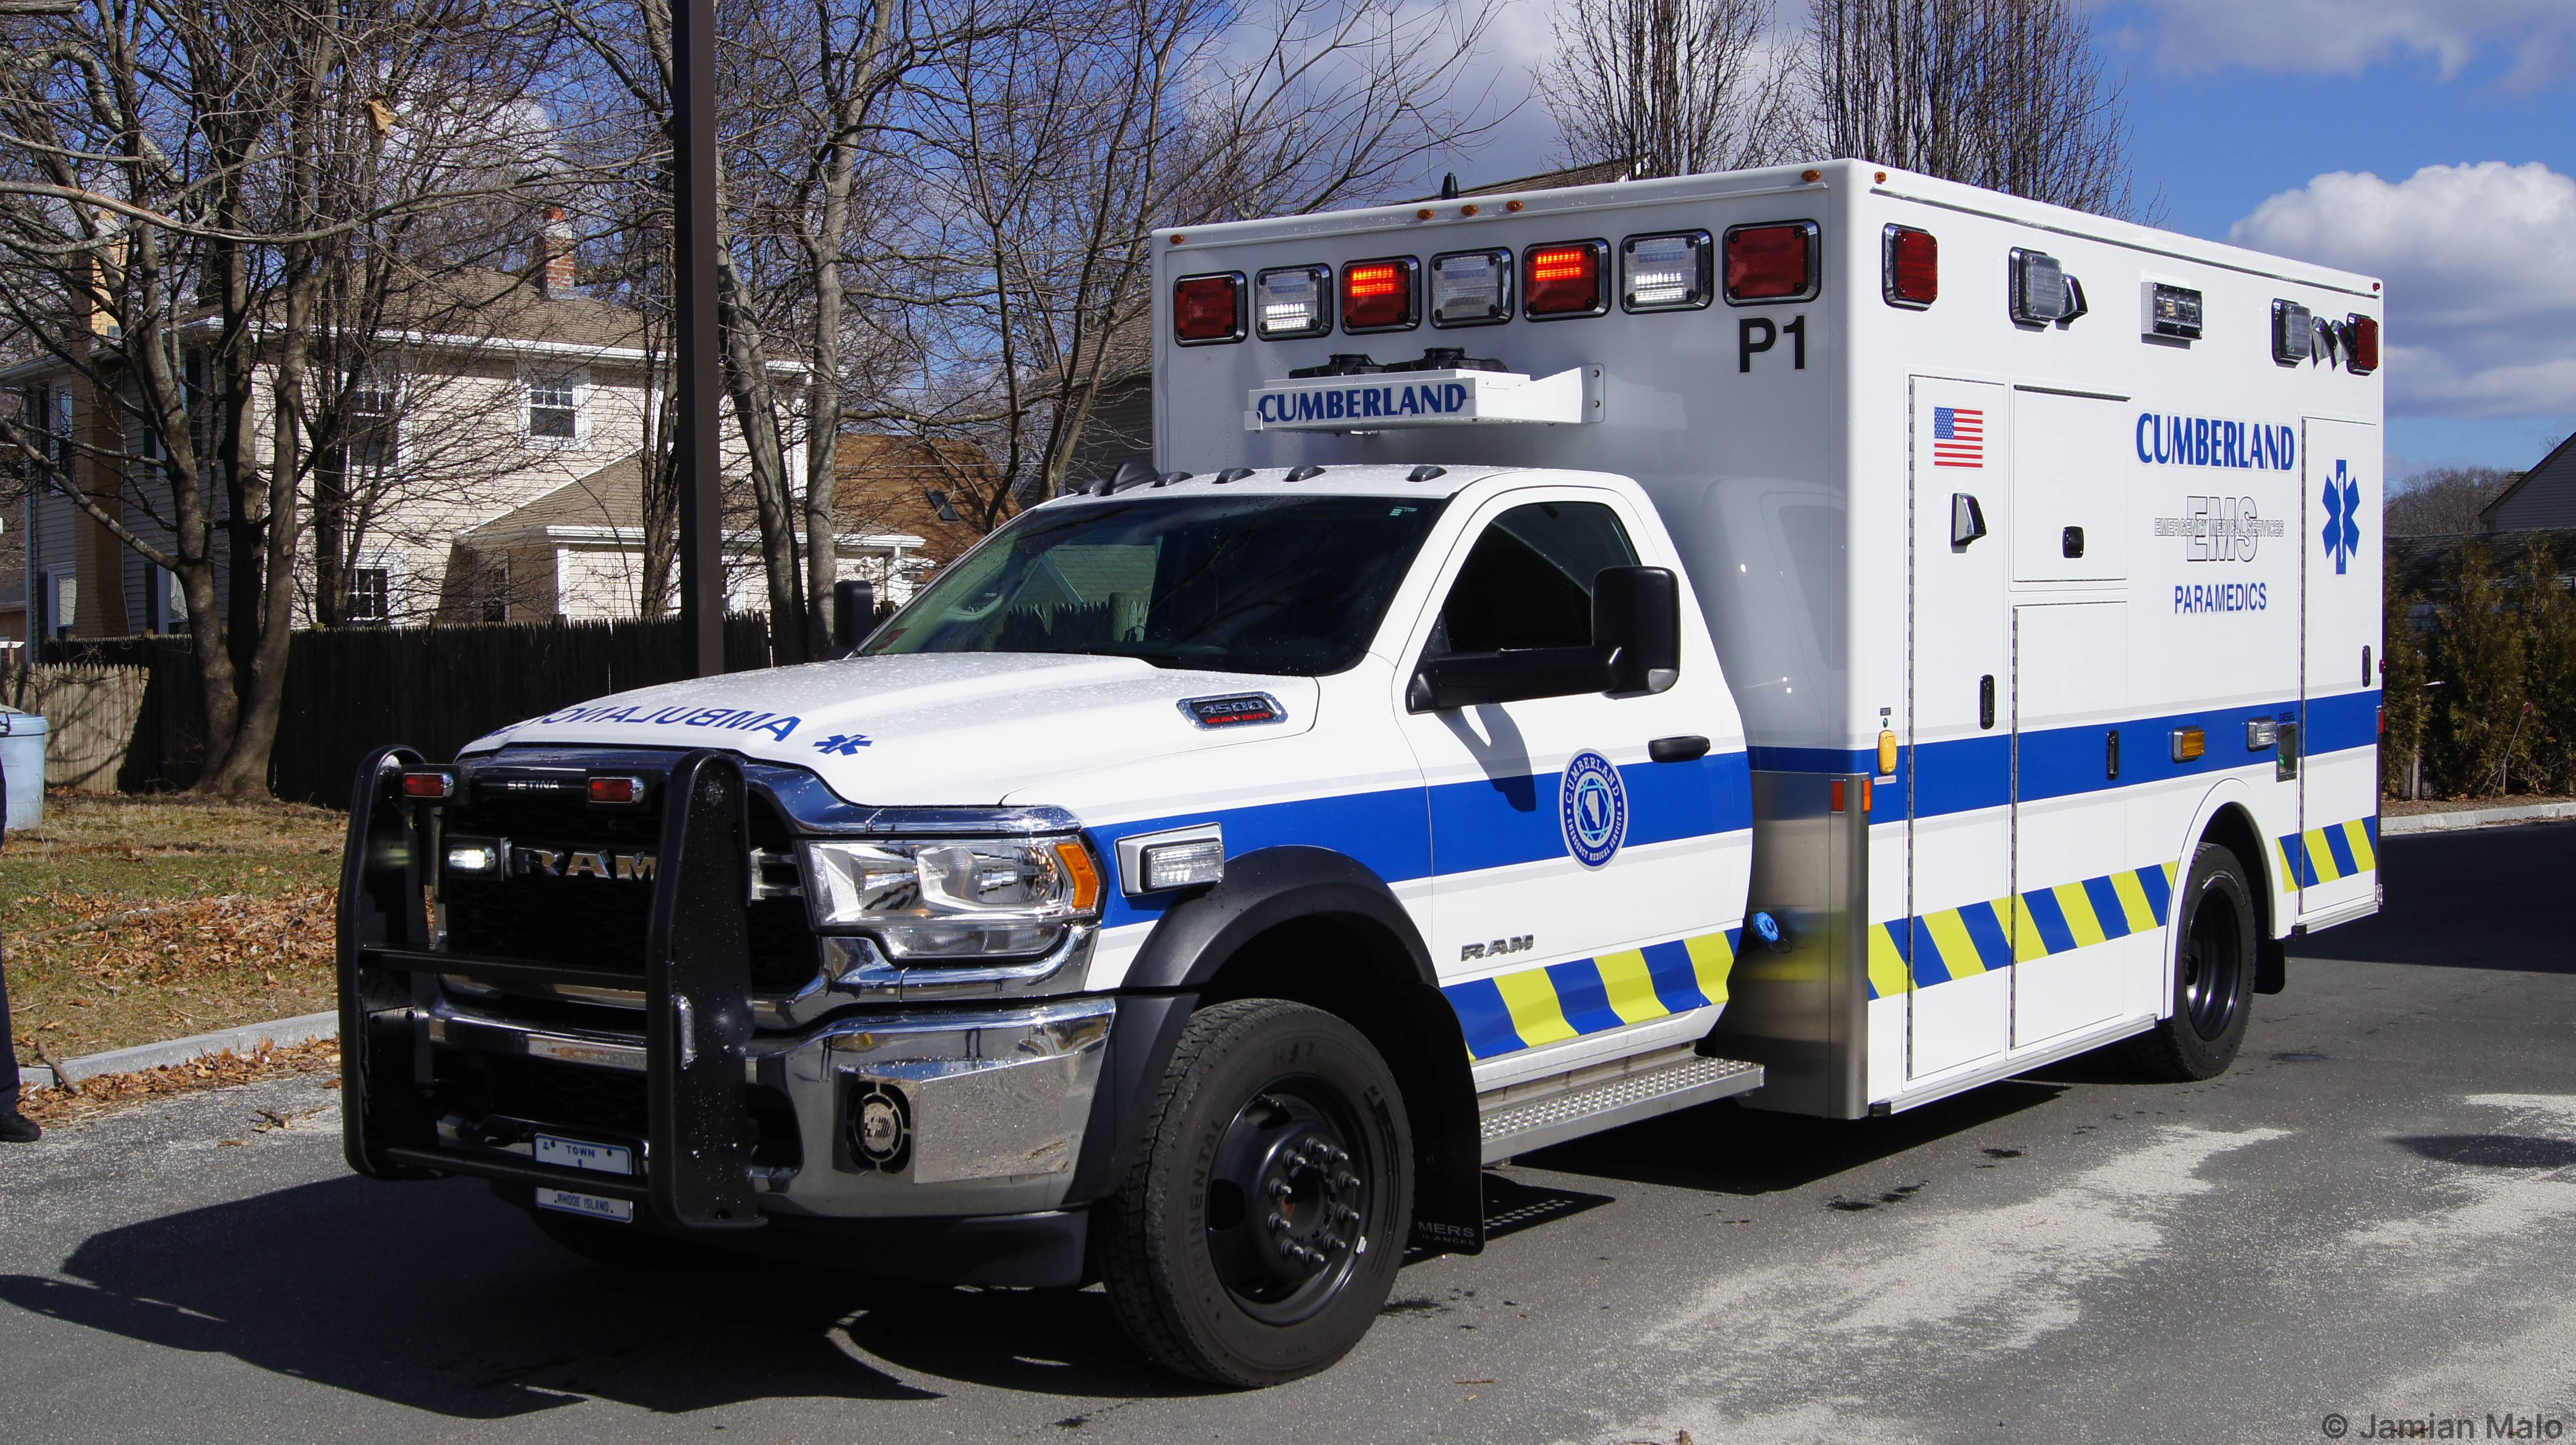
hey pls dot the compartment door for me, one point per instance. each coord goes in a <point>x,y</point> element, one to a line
<point>2070,927</point>
<point>2332,859</point>
<point>1954,957</point>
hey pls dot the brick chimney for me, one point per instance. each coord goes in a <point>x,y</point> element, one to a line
<point>557,248</point>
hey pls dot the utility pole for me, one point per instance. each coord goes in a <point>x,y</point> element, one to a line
<point>693,142</point>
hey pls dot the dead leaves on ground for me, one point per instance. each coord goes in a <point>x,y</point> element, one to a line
<point>116,1093</point>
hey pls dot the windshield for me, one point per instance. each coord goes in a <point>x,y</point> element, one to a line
<point>1243,584</point>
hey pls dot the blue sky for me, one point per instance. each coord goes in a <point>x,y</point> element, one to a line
<point>2226,116</point>
<point>2261,122</point>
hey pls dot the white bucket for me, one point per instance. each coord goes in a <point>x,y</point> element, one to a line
<point>22,754</point>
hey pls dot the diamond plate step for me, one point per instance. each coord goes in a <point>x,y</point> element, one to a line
<point>1584,1102</point>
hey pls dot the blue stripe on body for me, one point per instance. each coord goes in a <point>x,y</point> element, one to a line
<point>2107,907</point>
<point>1960,775</point>
<point>1994,951</point>
<point>1676,982</point>
<point>2051,919</point>
<point>2341,847</point>
<point>1483,1018</point>
<point>1488,823</point>
<point>2159,892</point>
<point>1581,997</point>
<point>1929,966</point>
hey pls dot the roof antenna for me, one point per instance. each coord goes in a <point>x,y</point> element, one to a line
<point>1449,186</point>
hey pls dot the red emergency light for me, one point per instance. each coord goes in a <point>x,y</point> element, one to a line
<point>1207,309</point>
<point>2361,340</point>
<point>432,785</point>
<point>1911,272</point>
<point>1570,279</point>
<point>1778,261</point>
<point>1379,295</point>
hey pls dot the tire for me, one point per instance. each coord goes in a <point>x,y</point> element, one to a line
<point>618,1246</point>
<point>2213,977</point>
<point>1264,1101</point>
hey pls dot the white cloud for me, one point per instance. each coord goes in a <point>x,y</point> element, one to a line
<point>2340,37</point>
<point>2480,264</point>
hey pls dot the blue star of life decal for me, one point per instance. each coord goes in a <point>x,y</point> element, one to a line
<point>845,744</point>
<point>2343,517</point>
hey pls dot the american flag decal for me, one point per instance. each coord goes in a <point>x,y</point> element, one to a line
<point>1958,437</point>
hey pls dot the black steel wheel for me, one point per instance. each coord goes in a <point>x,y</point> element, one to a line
<point>1259,1228</point>
<point>2213,980</point>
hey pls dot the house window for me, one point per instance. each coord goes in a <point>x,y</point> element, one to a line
<point>939,503</point>
<point>492,582</point>
<point>371,594</point>
<point>554,406</point>
<point>373,428</point>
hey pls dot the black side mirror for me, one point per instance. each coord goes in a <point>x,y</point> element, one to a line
<point>854,614</point>
<point>1636,647</point>
<point>1637,625</point>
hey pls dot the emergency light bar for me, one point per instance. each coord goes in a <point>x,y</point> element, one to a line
<point>1379,295</point>
<point>1471,288</point>
<point>1207,309</point>
<point>1776,261</point>
<point>1289,302</point>
<point>1670,272</point>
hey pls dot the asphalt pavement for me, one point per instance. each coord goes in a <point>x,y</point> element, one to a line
<point>2370,1222</point>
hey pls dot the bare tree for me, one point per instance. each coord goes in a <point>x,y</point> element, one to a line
<point>1051,154</point>
<point>1676,86</point>
<point>2445,499</point>
<point>2003,94</point>
<point>182,183</point>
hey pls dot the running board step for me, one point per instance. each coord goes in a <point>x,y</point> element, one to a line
<point>1587,1101</point>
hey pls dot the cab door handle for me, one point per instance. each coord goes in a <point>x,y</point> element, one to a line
<point>1677,750</point>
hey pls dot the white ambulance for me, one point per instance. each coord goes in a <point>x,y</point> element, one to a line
<point>1821,635</point>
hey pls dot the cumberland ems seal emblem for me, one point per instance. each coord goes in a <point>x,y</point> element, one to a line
<point>1593,805</point>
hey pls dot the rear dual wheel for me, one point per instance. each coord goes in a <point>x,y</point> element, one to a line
<point>1259,1229</point>
<point>2213,985</point>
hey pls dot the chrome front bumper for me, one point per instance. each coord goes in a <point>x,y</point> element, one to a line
<point>976,1110</point>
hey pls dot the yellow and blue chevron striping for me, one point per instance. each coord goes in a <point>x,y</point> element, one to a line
<point>1562,1001</point>
<point>1978,938</point>
<point>2322,855</point>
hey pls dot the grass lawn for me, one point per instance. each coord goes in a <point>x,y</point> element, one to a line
<point>129,920</point>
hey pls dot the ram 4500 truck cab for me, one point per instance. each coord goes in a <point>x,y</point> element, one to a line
<point>1193,887</point>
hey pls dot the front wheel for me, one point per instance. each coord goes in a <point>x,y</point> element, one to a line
<point>1259,1229</point>
<point>2213,987</point>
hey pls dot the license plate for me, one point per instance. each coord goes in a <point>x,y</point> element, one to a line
<point>590,1205</point>
<point>583,1154</point>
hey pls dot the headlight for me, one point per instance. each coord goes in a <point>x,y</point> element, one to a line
<point>961,899</point>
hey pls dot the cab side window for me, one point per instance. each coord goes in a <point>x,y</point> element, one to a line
<point>1528,582</point>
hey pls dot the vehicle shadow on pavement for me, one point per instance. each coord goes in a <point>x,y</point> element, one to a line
<point>1724,1148</point>
<point>443,1299</point>
<point>2472,899</point>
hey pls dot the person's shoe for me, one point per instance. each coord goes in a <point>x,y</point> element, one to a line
<point>19,1129</point>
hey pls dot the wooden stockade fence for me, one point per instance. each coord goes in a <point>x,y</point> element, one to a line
<point>350,691</point>
<point>89,720</point>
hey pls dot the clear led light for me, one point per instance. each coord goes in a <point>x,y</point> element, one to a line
<point>2292,336</point>
<point>1184,865</point>
<point>1290,302</point>
<point>473,858</point>
<point>1665,273</point>
<point>2039,293</point>
<point>1471,288</point>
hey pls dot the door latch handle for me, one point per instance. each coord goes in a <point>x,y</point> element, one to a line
<point>1677,750</point>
